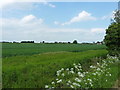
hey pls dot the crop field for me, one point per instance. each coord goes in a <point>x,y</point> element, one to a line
<point>14,49</point>
<point>58,66</point>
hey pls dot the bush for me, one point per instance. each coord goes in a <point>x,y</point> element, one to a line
<point>75,42</point>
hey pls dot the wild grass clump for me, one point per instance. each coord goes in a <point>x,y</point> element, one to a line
<point>101,75</point>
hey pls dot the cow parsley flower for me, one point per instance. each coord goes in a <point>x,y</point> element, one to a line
<point>62,69</point>
<point>59,81</point>
<point>69,81</point>
<point>63,74</point>
<point>72,72</point>
<point>67,69</point>
<point>79,73</point>
<point>76,84</point>
<point>77,79</point>
<point>46,86</point>
<point>109,74</point>
<point>71,86</point>
<point>71,69</point>
<point>74,64</point>
<point>53,82</point>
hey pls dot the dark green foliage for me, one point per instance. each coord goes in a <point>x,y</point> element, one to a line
<point>27,41</point>
<point>75,42</point>
<point>112,38</point>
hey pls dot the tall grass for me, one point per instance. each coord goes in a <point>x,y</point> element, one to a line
<point>38,70</point>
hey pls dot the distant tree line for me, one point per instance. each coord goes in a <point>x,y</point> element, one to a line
<point>27,41</point>
<point>74,42</point>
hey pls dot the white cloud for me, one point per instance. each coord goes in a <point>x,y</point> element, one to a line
<point>28,18</point>
<point>23,4</point>
<point>5,2</point>
<point>49,4</point>
<point>56,22</point>
<point>82,16</point>
<point>33,28</point>
<point>31,19</point>
<point>67,30</point>
<point>98,30</point>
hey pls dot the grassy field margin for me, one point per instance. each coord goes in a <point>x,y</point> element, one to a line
<point>38,70</point>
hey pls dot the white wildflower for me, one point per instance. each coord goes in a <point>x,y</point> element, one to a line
<point>46,86</point>
<point>67,69</point>
<point>58,74</point>
<point>63,74</point>
<point>109,74</point>
<point>62,69</point>
<point>94,73</point>
<point>77,79</point>
<point>91,66</point>
<point>71,86</point>
<point>74,64</point>
<point>98,63</point>
<point>79,73</point>
<point>53,82</point>
<point>98,69</point>
<point>59,81</point>
<point>71,69</point>
<point>79,66</point>
<point>69,81</point>
<point>91,85</point>
<point>76,84</point>
<point>76,67</point>
<point>90,80</point>
<point>86,72</point>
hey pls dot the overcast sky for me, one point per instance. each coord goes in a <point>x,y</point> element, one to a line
<point>56,21</point>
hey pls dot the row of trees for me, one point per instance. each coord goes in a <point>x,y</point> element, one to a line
<point>27,41</point>
<point>74,42</point>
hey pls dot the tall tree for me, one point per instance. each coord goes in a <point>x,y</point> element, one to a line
<point>112,38</point>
